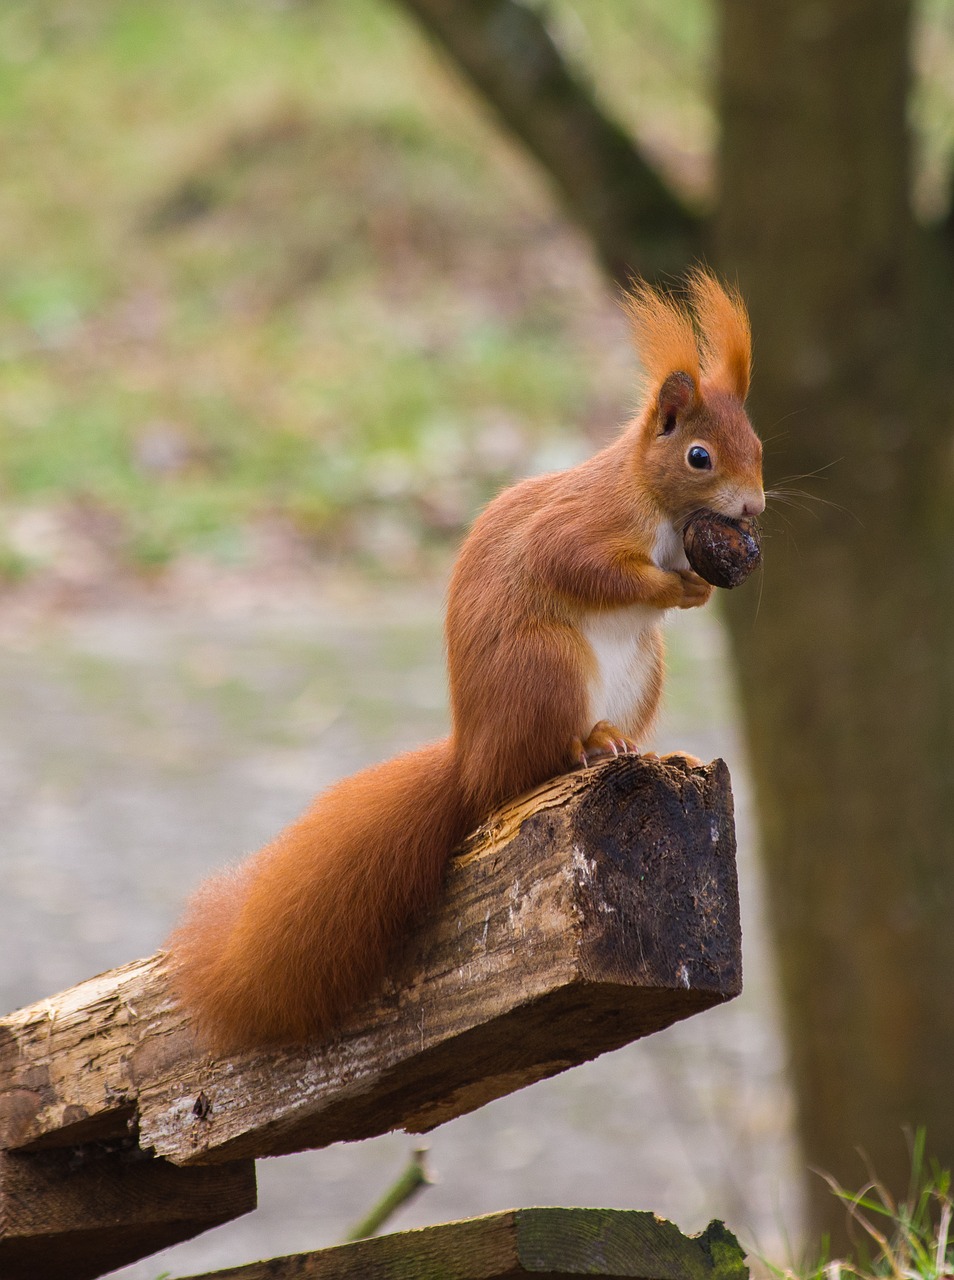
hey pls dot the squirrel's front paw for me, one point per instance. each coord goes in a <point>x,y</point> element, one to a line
<point>695,590</point>
<point>604,741</point>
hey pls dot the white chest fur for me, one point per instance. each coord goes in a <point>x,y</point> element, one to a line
<point>625,644</point>
<point>668,551</point>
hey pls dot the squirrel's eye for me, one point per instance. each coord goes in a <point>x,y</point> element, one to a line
<point>699,458</point>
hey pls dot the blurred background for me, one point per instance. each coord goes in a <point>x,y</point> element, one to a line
<point>288,291</point>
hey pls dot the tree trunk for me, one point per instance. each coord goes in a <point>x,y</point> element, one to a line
<point>846,657</point>
<point>846,661</point>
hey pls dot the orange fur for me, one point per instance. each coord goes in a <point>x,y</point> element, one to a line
<point>725,331</point>
<point>277,949</point>
<point>662,332</point>
<point>558,591</point>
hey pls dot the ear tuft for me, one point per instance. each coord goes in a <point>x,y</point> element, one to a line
<point>663,334</point>
<point>725,332</point>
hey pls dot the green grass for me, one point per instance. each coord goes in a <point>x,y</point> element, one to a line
<point>908,1239</point>
<point>270,266</point>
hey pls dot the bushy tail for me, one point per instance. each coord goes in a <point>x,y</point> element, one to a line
<point>282,947</point>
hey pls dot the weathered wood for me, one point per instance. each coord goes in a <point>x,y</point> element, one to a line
<point>64,1062</point>
<point>77,1213</point>
<point>551,1244</point>
<point>599,909</point>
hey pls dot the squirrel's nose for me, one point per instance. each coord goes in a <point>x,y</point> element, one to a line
<point>753,504</point>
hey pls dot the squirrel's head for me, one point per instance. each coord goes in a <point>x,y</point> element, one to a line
<point>695,446</point>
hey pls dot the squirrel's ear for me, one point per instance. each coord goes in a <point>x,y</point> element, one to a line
<point>726,334</point>
<point>677,395</point>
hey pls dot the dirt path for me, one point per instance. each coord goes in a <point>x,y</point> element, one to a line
<point>146,743</point>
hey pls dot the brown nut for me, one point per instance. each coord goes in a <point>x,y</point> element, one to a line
<point>722,551</point>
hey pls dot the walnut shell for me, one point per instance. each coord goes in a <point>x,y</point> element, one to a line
<point>722,551</point>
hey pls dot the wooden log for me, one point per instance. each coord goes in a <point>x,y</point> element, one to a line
<point>550,1244</point>
<point>599,909</point>
<point>77,1213</point>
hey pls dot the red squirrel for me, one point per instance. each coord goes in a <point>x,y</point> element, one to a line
<point>554,652</point>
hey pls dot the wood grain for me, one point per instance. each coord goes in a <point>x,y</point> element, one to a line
<point>85,1210</point>
<point>551,1244</point>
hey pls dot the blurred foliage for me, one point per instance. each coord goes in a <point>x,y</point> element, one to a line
<point>266,266</point>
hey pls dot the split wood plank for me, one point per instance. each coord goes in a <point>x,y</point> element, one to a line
<point>64,1062</point>
<point>599,909</point>
<point>77,1213</point>
<point>550,1244</point>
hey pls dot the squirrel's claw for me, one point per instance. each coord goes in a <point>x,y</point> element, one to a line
<point>603,742</point>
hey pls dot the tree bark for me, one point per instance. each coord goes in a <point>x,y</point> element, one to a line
<point>845,662</point>
<point>506,52</point>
